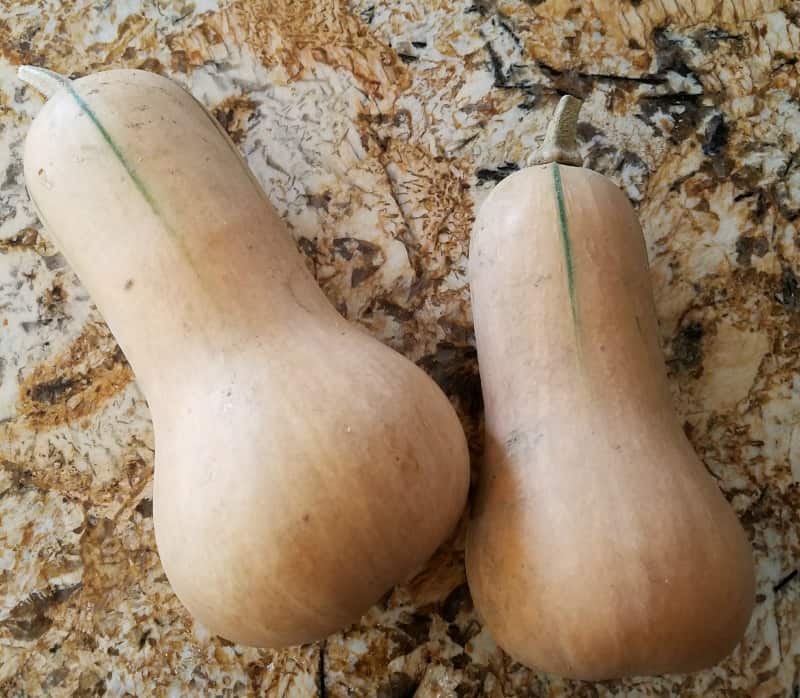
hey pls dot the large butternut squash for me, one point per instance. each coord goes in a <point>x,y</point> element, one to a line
<point>302,468</point>
<point>599,546</point>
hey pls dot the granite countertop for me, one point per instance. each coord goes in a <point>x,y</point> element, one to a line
<point>377,127</point>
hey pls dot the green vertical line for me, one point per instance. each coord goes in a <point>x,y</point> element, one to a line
<point>563,225</point>
<point>86,109</point>
<point>130,170</point>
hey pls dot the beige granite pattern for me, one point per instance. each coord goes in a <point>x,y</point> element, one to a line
<point>377,127</point>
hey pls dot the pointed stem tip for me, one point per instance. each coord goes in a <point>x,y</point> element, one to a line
<point>561,140</point>
<point>43,80</point>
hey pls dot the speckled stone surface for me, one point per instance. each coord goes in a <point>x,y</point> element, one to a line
<point>377,127</point>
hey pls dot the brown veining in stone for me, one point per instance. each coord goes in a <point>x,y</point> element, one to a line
<point>302,35</point>
<point>232,114</point>
<point>75,383</point>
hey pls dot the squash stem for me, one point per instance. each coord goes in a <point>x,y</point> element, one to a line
<point>43,80</point>
<point>561,142</point>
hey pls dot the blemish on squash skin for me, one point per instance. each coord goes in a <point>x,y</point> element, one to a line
<point>518,440</point>
<point>513,439</point>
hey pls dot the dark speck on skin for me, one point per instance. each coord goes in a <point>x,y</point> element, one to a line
<point>128,284</point>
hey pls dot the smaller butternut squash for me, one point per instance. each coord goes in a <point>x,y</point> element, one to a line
<point>599,546</point>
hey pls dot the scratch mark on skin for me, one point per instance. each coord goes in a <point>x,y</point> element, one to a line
<point>563,225</point>
<point>541,279</point>
<point>519,440</point>
<point>513,439</point>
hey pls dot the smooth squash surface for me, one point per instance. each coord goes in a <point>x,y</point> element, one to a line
<point>599,545</point>
<point>302,467</point>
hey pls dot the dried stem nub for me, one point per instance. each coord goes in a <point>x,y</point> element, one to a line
<point>560,142</point>
<point>45,81</point>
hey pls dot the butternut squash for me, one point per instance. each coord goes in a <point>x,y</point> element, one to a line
<point>302,467</point>
<point>599,546</point>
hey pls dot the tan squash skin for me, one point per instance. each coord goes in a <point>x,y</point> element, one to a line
<point>302,468</point>
<point>599,546</point>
